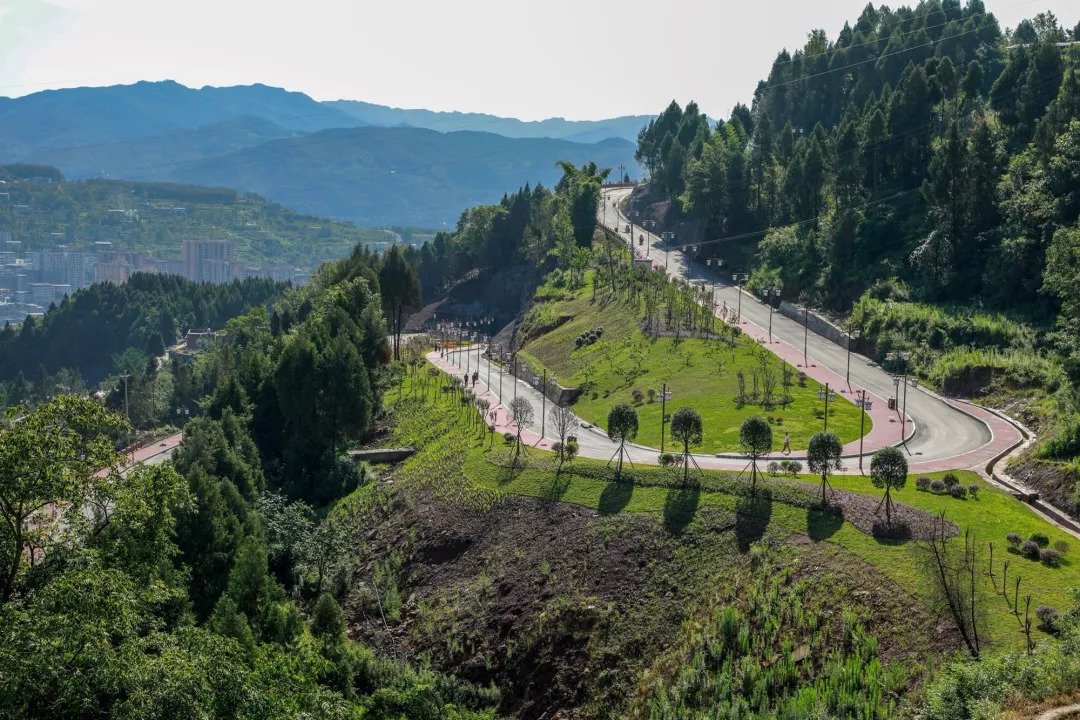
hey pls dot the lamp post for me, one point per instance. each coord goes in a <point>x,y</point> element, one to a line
<point>805,335</point>
<point>182,413</point>
<point>853,335</point>
<point>739,279</point>
<point>862,425</point>
<point>905,356</point>
<point>771,293</point>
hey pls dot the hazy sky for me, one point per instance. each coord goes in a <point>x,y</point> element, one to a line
<point>576,59</point>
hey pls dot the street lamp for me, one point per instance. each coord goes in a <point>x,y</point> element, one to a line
<point>805,335</point>
<point>770,294</point>
<point>739,279</point>
<point>862,425</point>
<point>853,335</point>
<point>686,262</point>
<point>905,356</point>
<point>182,413</point>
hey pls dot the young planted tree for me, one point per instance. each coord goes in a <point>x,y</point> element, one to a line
<point>755,437</point>
<point>523,415</point>
<point>823,458</point>
<point>622,426</point>
<point>562,420</point>
<point>957,581</point>
<point>686,428</point>
<point>888,470</point>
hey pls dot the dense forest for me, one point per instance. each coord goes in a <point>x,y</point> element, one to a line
<point>155,218</point>
<point>917,173</point>
<point>148,313</point>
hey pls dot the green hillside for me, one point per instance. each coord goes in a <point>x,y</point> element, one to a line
<point>700,373</point>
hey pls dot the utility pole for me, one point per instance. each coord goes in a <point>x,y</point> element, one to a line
<point>515,375</point>
<point>500,382</point>
<point>489,365</point>
<point>663,416</point>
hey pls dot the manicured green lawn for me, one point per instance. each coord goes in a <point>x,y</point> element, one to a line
<point>699,373</point>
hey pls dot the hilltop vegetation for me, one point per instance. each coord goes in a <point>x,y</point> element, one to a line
<point>148,313</point>
<point>155,218</point>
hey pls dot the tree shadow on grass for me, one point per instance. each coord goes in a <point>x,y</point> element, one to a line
<point>559,483</point>
<point>615,497</point>
<point>509,473</point>
<point>752,518</point>
<point>680,506</point>
<point>823,524</point>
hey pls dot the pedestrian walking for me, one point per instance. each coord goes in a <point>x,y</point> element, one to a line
<point>466,378</point>
<point>787,444</point>
<point>475,377</point>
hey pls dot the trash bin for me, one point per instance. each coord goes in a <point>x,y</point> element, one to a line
<point>892,403</point>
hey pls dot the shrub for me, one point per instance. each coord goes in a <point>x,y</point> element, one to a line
<point>578,341</point>
<point>652,394</point>
<point>1014,539</point>
<point>794,467</point>
<point>1061,546</point>
<point>958,491</point>
<point>785,466</point>
<point>973,490</point>
<point>571,449</point>
<point>802,379</point>
<point>937,486</point>
<point>951,480</point>
<point>508,437</point>
<point>1050,557</point>
<point>556,446</point>
<point>1048,618</point>
<point>780,420</point>
<point>773,468</point>
<point>1041,539</point>
<point>667,460</point>
<point>637,395</point>
<point>599,331</point>
<point>1030,549</point>
<point>922,483</point>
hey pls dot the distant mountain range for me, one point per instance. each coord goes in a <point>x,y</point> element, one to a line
<point>586,131</point>
<point>371,164</point>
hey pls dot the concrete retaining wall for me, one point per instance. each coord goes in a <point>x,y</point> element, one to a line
<point>555,393</point>
<point>816,323</point>
<point>382,455</point>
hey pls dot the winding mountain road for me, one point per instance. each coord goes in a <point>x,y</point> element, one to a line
<point>947,433</point>
<point>940,433</point>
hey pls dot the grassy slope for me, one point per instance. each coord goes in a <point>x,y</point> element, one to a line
<point>696,384</point>
<point>989,517</point>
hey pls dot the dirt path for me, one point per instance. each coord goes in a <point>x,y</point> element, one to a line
<point>1059,712</point>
